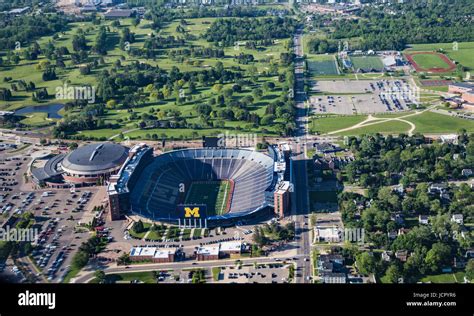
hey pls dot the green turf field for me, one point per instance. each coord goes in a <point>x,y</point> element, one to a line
<point>212,193</point>
<point>462,52</point>
<point>428,61</point>
<point>367,62</point>
<point>325,67</point>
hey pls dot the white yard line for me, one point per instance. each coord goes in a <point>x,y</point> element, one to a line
<point>225,196</point>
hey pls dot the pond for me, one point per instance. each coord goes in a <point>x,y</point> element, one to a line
<point>51,109</point>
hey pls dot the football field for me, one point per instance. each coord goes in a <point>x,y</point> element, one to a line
<point>326,67</point>
<point>367,63</point>
<point>214,194</point>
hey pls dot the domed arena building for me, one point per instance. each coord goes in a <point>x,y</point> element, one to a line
<point>87,165</point>
<point>90,163</point>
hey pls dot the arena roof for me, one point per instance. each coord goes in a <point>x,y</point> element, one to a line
<point>49,170</point>
<point>95,158</point>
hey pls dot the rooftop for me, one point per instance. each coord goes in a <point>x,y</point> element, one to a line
<point>151,252</point>
<point>118,13</point>
<point>231,246</point>
<point>208,250</point>
<point>164,253</point>
<point>467,85</point>
<point>95,157</point>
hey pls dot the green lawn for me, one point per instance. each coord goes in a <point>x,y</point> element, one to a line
<point>264,57</point>
<point>429,122</point>
<point>186,234</point>
<point>426,122</point>
<point>439,278</point>
<point>215,273</point>
<point>438,88</point>
<point>38,119</point>
<point>146,227</point>
<point>392,127</point>
<point>197,232</point>
<point>155,234</point>
<point>71,274</point>
<point>391,115</point>
<point>333,123</point>
<point>145,277</point>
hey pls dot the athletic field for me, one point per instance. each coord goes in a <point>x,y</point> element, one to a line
<point>214,194</point>
<point>321,68</point>
<point>367,63</point>
<point>430,62</point>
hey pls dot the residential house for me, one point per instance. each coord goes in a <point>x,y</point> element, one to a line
<point>423,219</point>
<point>457,218</point>
<point>392,234</point>
<point>466,172</point>
<point>387,256</point>
<point>403,231</point>
<point>401,255</point>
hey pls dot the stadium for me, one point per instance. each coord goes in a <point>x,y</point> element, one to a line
<point>226,185</point>
<point>86,165</point>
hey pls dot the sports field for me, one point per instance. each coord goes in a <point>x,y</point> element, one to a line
<point>430,62</point>
<point>214,194</point>
<point>367,62</point>
<point>323,67</point>
<point>460,52</point>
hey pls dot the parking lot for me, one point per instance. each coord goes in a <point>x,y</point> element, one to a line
<point>56,215</point>
<point>261,273</point>
<point>276,272</point>
<point>57,212</point>
<point>11,172</point>
<point>361,96</point>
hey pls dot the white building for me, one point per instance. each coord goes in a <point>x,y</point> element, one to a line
<point>457,218</point>
<point>423,219</point>
<point>327,234</point>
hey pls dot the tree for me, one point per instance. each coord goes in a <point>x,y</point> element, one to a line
<point>124,259</point>
<point>217,87</point>
<point>393,273</point>
<point>470,270</point>
<point>366,263</point>
<point>100,276</point>
<point>111,104</point>
<point>138,227</point>
<point>438,256</point>
<point>80,259</point>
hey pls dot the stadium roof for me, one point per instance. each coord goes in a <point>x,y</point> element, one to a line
<point>95,157</point>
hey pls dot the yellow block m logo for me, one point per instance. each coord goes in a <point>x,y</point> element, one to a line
<point>191,212</point>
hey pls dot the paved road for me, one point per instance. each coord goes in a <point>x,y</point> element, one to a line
<point>88,276</point>
<point>300,203</point>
